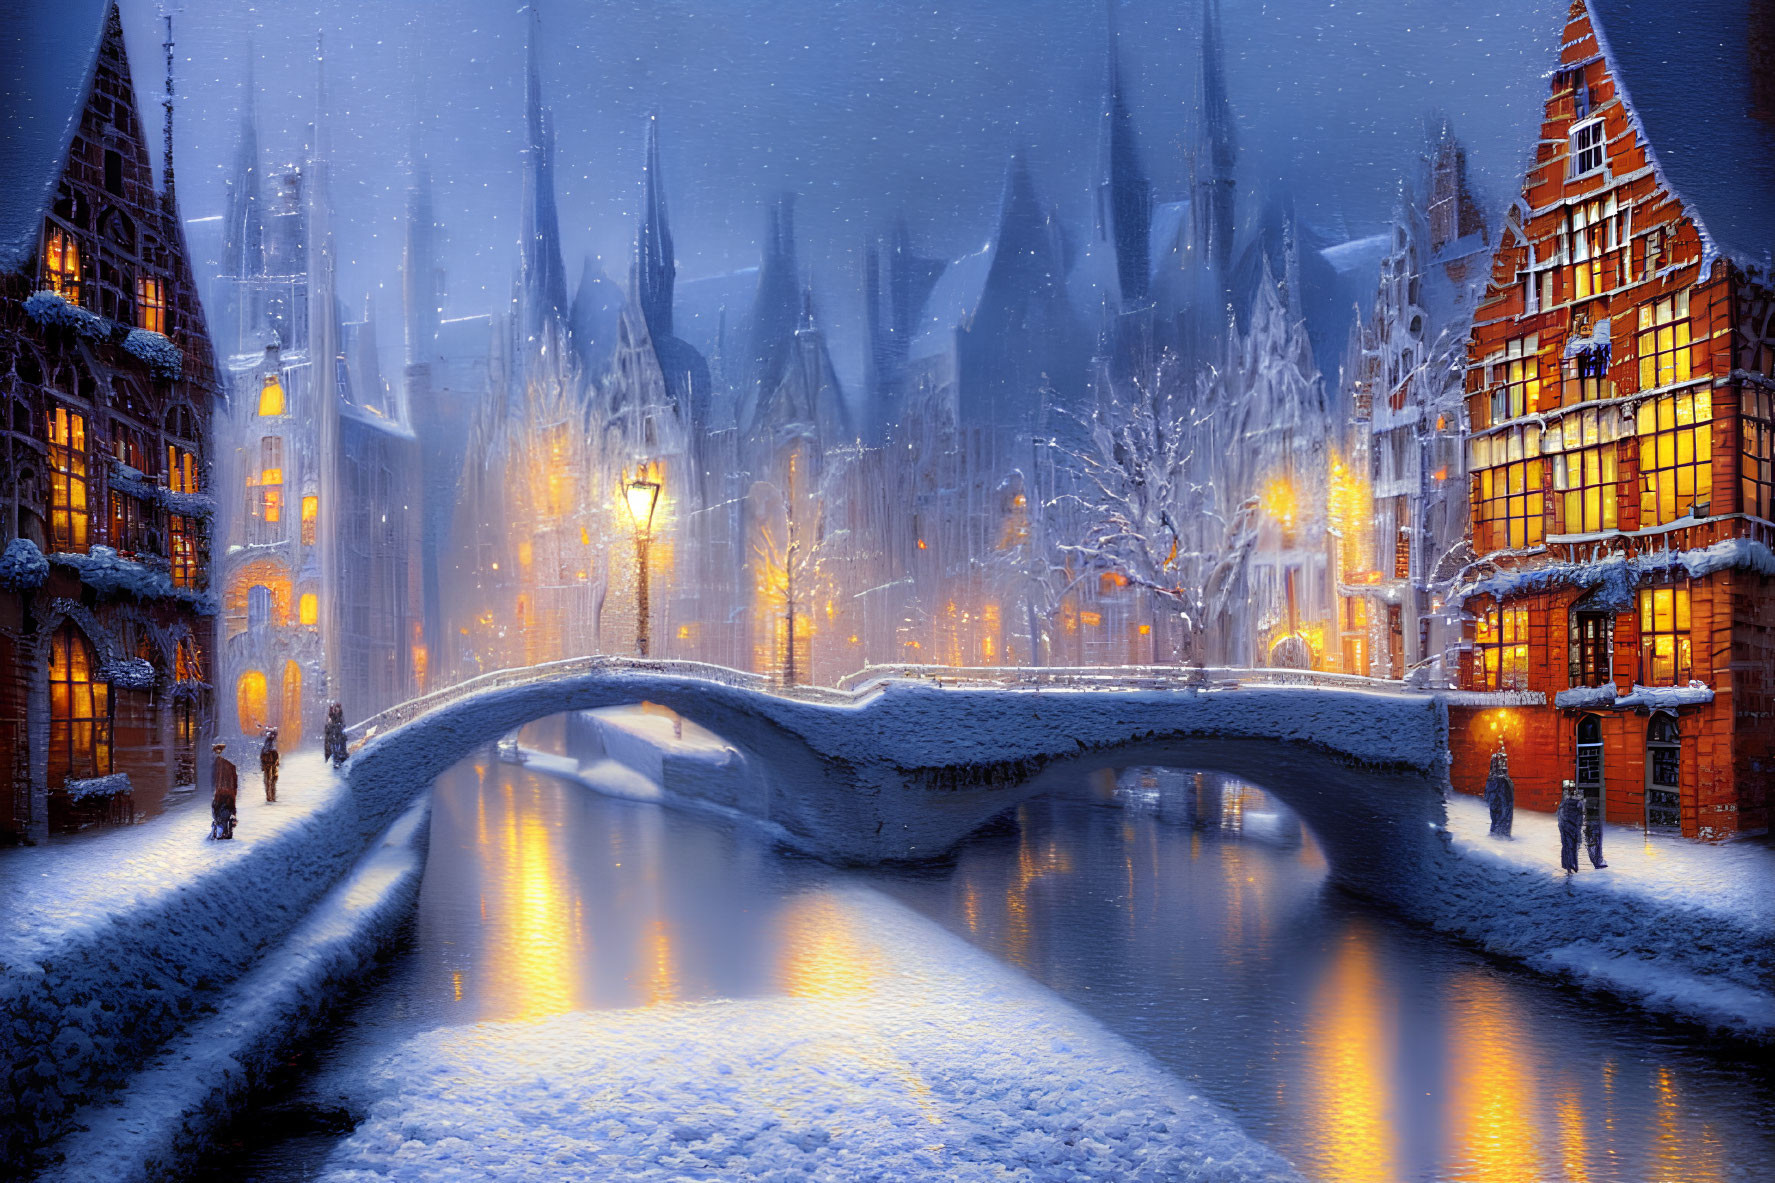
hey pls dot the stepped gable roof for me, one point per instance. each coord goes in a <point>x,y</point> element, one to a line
<point>48,52</point>
<point>1689,76</point>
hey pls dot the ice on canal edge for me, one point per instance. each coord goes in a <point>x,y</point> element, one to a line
<point>894,1050</point>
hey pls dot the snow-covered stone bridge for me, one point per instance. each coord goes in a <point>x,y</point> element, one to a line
<point>903,768</point>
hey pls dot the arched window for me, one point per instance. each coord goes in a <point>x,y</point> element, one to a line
<point>1589,769</point>
<point>61,264</point>
<point>79,710</point>
<point>249,702</point>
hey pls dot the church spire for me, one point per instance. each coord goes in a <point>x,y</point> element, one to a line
<point>1124,195</point>
<point>243,235</point>
<point>656,264</point>
<point>1217,153</point>
<point>542,272</point>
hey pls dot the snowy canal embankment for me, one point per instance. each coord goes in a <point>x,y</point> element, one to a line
<point>167,1110</point>
<point>113,943</point>
<point>895,1051</point>
<point>1675,926</point>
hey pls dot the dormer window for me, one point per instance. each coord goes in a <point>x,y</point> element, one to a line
<point>1587,145</point>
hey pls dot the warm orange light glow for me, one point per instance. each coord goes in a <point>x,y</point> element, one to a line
<point>310,519</point>
<point>824,956</point>
<point>641,496</point>
<point>61,264</point>
<point>1353,1078</point>
<point>150,304</point>
<point>308,609</point>
<point>1278,501</point>
<point>290,728</point>
<point>921,545</point>
<point>271,397</point>
<point>250,696</point>
<point>1093,619</point>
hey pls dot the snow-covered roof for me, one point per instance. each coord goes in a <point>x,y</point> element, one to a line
<point>953,301</point>
<point>1686,77</point>
<point>48,51</point>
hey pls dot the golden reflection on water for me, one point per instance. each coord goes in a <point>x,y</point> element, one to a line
<point>530,946</point>
<point>1351,1083</point>
<point>821,954</point>
<point>1494,1067</point>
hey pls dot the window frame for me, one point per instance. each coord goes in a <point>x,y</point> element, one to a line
<point>80,709</point>
<point>70,481</point>
<point>1679,616</point>
<point>1671,427</point>
<point>1500,647</point>
<point>1578,149</point>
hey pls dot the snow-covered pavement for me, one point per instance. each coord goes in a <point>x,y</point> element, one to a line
<point>1734,879</point>
<point>1673,925</point>
<point>893,1051</point>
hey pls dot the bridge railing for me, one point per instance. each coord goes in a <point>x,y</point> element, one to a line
<point>871,679</point>
<point>1125,677</point>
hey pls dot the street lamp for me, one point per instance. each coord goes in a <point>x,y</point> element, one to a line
<point>641,495</point>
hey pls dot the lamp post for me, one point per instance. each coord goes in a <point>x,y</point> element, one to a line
<point>641,495</point>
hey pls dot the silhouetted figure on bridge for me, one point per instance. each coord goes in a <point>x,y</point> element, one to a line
<point>226,789</point>
<point>1571,826</point>
<point>333,746</point>
<point>1500,793</point>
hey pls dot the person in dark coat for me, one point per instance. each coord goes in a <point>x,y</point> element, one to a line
<point>1500,793</point>
<point>268,763</point>
<point>334,745</point>
<point>225,781</point>
<point>1593,830</point>
<point>1571,826</point>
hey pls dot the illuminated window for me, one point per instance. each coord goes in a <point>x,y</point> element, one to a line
<point>61,264</point>
<point>310,518</point>
<point>271,397</point>
<point>1758,465</point>
<point>308,608</point>
<point>1508,508</point>
<point>1585,479</point>
<point>1501,648</point>
<point>181,470</point>
<point>68,513</point>
<point>1518,379</point>
<point>150,304</point>
<point>1675,457</point>
<point>1664,357</point>
<point>182,532</point>
<point>1593,233</point>
<point>1587,148</point>
<point>188,661</point>
<point>79,710</point>
<point>290,732</point>
<point>1591,645</point>
<point>249,702</point>
<point>1664,653</point>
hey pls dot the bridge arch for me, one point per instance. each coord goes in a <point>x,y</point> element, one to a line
<point>907,771</point>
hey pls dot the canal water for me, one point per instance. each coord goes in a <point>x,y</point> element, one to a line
<point>1187,913</point>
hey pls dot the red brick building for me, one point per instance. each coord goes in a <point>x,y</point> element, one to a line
<point>1621,400</point>
<point>106,387</point>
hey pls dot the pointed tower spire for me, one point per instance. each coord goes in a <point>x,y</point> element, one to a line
<point>168,201</point>
<point>243,235</point>
<point>1124,195</point>
<point>543,274</point>
<point>657,265</point>
<point>1216,153</point>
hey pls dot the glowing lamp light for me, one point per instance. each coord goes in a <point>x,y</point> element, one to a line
<point>641,497</point>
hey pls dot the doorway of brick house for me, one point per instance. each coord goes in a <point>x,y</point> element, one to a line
<point>1664,761</point>
<point>1590,770</point>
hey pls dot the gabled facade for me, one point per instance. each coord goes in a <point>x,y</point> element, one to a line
<point>106,389</point>
<point>1620,375</point>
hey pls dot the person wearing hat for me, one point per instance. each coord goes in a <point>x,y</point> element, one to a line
<point>226,782</point>
<point>268,763</point>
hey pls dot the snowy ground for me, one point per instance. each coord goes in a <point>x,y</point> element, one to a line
<point>895,1051</point>
<point>166,1110</point>
<point>112,942</point>
<point>1673,925</point>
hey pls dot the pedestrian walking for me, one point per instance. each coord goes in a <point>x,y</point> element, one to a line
<point>1593,830</point>
<point>1571,826</point>
<point>1500,793</point>
<point>225,782</point>
<point>268,763</point>
<point>333,747</point>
